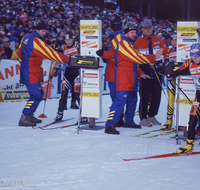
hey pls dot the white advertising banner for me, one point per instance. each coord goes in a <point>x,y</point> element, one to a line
<point>11,88</point>
<point>90,42</point>
<point>186,36</point>
<point>187,86</point>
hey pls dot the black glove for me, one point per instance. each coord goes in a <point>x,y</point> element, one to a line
<point>100,52</point>
<point>170,77</point>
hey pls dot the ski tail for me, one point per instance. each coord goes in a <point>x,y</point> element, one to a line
<point>149,132</point>
<point>162,156</point>
<point>52,123</point>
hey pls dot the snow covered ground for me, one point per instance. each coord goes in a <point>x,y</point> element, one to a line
<point>61,159</point>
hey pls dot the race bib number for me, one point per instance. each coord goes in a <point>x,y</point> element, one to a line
<point>193,110</point>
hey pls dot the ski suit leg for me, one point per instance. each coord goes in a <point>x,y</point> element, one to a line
<point>73,93</point>
<point>69,76</point>
<point>36,93</point>
<point>144,91</point>
<point>194,117</point>
<point>112,87</point>
<point>130,107</point>
<point>171,91</point>
<point>155,97</point>
<point>117,108</point>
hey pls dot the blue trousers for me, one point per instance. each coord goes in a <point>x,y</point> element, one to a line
<point>123,97</point>
<point>36,93</point>
<point>112,87</point>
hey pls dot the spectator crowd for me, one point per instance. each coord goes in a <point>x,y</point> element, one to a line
<point>19,18</point>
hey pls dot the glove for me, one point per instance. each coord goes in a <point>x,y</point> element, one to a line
<point>158,65</point>
<point>100,52</point>
<point>170,77</point>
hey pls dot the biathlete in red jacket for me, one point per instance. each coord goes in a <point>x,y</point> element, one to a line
<point>126,58</point>
<point>191,67</point>
<point>31,52</point>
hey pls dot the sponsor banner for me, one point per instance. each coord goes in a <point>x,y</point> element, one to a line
<point>14,95</point>
<point>187,86</point>
<point>186,36</point>
<point>91,37</point>
<point>90,80</point>
<point>89,44</point>
<point>187,29</point>
<point>90,75</point>
<point>10,78</point>
<point>185,101</point>
<point>86,27</point>
<point>186,81</point>
<point>90,94</point>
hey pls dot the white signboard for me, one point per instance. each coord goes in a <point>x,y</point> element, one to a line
<point>90,42</point>
<point>187,86</point>
<point>186,36</point>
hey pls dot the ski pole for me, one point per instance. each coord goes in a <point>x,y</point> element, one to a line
<point>159,82</point>
<point>43,115</point>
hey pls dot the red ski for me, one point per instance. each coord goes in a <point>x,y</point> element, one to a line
<point>49,124</point>
<point>162,156</point>
<point>65,126</point>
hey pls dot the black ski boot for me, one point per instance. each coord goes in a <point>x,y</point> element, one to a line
<point>59,117</point>
<point>111,130</point>
<point>34,119</point>
<point>25,121</point>
<point>74,106</point>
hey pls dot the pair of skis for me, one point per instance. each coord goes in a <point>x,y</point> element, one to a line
<point>166,132</point>
<point>45,127</point>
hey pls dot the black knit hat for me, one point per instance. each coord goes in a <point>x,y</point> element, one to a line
<point>69,34</point>
<point>41,26</point>
<point>129,26</point>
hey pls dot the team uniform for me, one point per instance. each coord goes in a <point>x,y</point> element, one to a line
<point>171,89</point>
<point>31,53</point>
<point>110,68</point>
<point>68,81</point>
<point>191,68</point>
<point>125,79</point>
<point>150,89</point>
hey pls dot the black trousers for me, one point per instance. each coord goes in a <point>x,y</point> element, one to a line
<point>69,76</point>
<point>194,117</point>
<point>150,96</point>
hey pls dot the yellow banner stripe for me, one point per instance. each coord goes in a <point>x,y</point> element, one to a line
<point>110,118</point>
<point>30,102</point>
<point>112,112</point>
<point>26,107</point>
<point>185,101</point>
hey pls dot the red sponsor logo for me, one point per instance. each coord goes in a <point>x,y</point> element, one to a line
<point>186,81</point>
<point>89,44</point>
<point>90,75</point>
<point>194,50</point>
<point>183,47</point>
